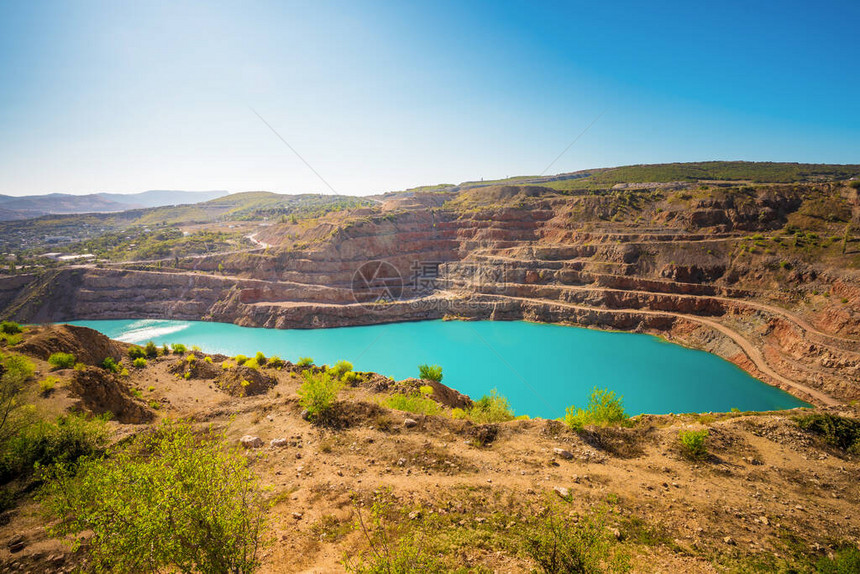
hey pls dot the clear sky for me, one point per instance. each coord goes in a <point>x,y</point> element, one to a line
<point>376,96</point>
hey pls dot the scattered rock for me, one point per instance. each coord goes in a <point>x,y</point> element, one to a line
<point>729,540</point>
<point>410,423</point>
<point>279,443</point>
<point>565,454</point>
<point>16,543</point>
<point>562,492</point>
<point>415,515</point>
<point>306,415</point>
<point>297,515</point>
<point>249,441</point>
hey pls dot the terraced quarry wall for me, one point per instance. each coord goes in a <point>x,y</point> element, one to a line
<point>716,271</point>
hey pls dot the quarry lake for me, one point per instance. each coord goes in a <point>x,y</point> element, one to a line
<point>540,368</point>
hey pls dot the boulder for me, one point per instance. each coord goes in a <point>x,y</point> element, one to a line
<point>560,452</point>
<point>279,443</point>
<point>249,441</point>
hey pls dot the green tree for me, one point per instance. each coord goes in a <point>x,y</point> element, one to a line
<point>430,372</point>
<point>172,500</point>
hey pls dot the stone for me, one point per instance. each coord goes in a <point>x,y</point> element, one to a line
<point>415,515</point>
<point>306,415</point>
<point>565,454</point>
<point>562,492</point>
<point>410,423</point>
<point>16,543</point>
<point>729,540</point>
<point>279,443</point>
<point>297,515</point>
<point>249,441</point>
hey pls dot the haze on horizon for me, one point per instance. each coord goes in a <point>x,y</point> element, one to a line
<point>98,96</point>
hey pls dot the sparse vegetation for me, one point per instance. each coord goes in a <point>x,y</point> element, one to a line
<point>179,349</point>
<point>136,352</point>
<point>839,432</point>
<point>305,362</point>
<point>10,328</point>
<point>693,442</point>
<point>150,349</point>
<point>412,404</point>
<point>318,393</point>
<point>603,409</point>
<point>492,408</point>
<point>340,369</point>
<point>560,544</point>
<point>138,363</point>
<point>430,372</point>
<point>46,385</point>
<point>62,360</point>
<point>216,517</point>
<point>110,365</point>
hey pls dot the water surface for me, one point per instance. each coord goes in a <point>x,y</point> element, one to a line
<point>540,368</point>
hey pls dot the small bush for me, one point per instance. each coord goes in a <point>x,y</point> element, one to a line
<point>227,365</point>
<point>165,350</point>
<point>603,409</point>
<point>62,360</point>
<point>340,369</point>
<point>150,349</point>
<point>275,362</point>
<point>136,352</point>
<point>240,359</point>
<point>305,362</point>
<point>110,365</point>
<point>179,349</point>
<point>425,390</point>
<point>207,359</point>
<point>412,404</point>
<point>217,511</point>
<point>351,378</point>
<point>492,408</point>
<point>260,358</point>
<point>138,363</point>
<point>430,372</point>
<point>693,443</point>
<point>251,364</point>
<point>47,385</point>
<point>190,358</point>
<point>10,328</point>
<point>839,432</point>
<point>318,393</point>
<point>46,443</point>
<point>560,544</point>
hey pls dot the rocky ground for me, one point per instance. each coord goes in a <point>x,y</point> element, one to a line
<point>767,495</point>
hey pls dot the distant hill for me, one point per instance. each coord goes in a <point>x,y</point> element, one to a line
<point>26,207</point>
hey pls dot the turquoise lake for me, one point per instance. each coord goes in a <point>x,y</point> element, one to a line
<point>541,369</point>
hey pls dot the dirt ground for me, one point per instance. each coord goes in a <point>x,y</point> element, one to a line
<point>766,494</point>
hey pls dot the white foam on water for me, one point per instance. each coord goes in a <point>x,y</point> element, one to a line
<point>141,331</point>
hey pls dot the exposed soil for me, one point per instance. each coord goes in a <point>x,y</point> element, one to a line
<point>766,492</point>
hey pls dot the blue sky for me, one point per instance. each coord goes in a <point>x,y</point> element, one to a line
<point>378,96</point>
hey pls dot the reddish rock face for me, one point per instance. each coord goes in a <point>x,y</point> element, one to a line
<point>643,260</point>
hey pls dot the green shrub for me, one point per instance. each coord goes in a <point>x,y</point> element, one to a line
<point>10,328</point>
<point>305,362</point>
<point>412,404</point>
<point>207,359</point>
<point>136,352</point>
<point>62,360</point>
<point>260,358</point>
<point>603,409</point>
<point>240,359</point>
<point>394,546</point>
<point>318,393</point>
<point>492,408</point>
<point>693,443</point>
<point>275,362</point>
<point>179,349</point>
<point>838,432</point>
<point>252,364</point>
<point>351,378</point>
<point>340,369</point>
<point>150,349</point>
<point>165,350</point>
<point>16,371</point>
<point>430,372</point>
<point>110,365</point>
<point>45,443</point>
<point>560,544</point>
<point>138,363</point>
<point>425,390</point>
<point>216,518</point>
<point>47,385</point>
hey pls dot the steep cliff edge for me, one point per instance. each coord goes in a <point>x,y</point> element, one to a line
<point>765,276</point>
